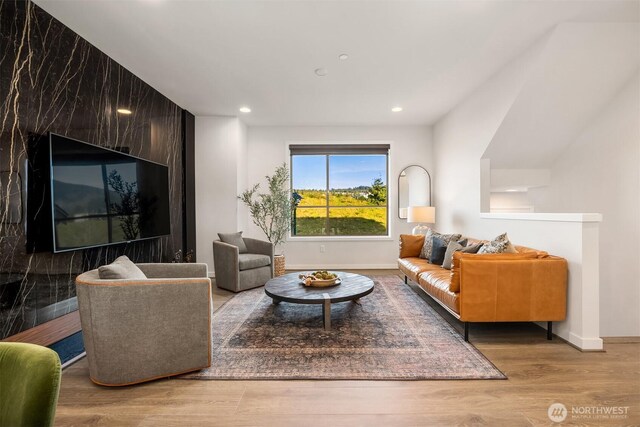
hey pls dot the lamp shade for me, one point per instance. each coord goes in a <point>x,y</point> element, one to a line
<point>421,214</point>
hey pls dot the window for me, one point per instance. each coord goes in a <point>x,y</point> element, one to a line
<point>339,190</point>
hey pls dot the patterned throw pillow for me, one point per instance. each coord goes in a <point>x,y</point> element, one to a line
<point>493,248</point>
<point>500,244</point>
<point>428,242</point>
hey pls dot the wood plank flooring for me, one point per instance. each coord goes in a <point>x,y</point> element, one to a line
<point>540,373</point>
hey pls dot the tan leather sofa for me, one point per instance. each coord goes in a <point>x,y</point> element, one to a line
<point>528,286</point>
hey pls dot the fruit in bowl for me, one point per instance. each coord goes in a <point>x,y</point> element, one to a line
<point>320,277</point>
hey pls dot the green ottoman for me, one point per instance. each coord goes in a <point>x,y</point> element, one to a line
<point>29,384</point>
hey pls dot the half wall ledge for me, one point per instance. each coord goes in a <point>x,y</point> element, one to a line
<point>540,216</point>
<point>575,237</point>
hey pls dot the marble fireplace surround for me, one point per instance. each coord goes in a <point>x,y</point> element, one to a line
<point>52,80</point>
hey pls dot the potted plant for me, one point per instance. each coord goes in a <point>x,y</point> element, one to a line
<point>271,212</point>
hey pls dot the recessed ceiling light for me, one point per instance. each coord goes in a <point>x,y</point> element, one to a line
<point>244,109</point>
<point>512,190</point>
<point>124,111</point>
<point>343,56</point>
<point>396,109</point>
<point>320,72</point>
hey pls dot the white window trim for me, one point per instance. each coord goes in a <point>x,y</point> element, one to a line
<point>391,193</point>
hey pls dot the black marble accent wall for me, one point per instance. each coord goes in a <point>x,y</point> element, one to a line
<point>52,80</point>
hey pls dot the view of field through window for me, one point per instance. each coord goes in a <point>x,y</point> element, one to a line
<point>339,195</point>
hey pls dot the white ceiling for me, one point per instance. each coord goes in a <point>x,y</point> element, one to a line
<point>212,57</point>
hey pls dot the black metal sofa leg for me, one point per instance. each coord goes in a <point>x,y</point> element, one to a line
<point>549,331</point>
<point>405,279</point>
<point>466,331</point>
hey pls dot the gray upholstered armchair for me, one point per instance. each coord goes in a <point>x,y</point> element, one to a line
<point>237,271</point>
<point>137,330</point>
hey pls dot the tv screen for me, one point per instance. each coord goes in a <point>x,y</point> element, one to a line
<point>103,197</point>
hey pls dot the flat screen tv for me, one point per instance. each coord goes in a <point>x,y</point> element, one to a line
<point>103,197</point>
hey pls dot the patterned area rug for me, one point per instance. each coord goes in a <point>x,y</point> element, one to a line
<point>392,334</point>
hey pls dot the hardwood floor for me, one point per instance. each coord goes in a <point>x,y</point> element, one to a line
<point>540,373</point>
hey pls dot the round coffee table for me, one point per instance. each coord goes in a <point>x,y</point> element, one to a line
<point>289,288</point>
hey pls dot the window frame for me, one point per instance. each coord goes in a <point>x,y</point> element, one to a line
<point>330,150</point>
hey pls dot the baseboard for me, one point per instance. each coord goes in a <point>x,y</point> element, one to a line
<point>586,344</point>
<point>74,360</point>
<point>342,267</point>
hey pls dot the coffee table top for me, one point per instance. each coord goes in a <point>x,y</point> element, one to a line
<point>289,288</point>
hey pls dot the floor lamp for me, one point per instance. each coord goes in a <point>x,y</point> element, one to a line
<point>421,215</point>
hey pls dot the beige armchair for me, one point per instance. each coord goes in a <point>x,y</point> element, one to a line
<point>237,271</point>
<point>142,329</point>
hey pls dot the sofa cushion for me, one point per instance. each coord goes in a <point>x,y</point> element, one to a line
<point>410,245</point>
<point>436,283</point>
<point>234,239</point>
<point>121,268</point>
<point>250,261</point>
<point>413,266</point>
<point>525,250</point>
<point>428,242</point>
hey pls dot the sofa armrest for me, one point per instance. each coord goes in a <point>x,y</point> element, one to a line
<point>255,246</point>
<point>514,290</point>
<point>176,270</point>
<point>226,265</point>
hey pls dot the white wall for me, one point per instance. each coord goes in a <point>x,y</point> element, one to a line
<point>220,150</point>
<point>461,138</point>
<point>409,145</point>
<point>603,173</point>
<point>600,173</point>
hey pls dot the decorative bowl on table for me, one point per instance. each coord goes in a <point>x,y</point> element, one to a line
<point>319,279</point>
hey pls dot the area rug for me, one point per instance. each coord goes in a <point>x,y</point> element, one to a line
<point>391,334</point>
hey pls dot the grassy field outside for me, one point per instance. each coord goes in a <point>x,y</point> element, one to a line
<point>350,214</point>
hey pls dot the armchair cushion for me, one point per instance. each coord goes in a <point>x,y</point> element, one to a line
<point>121,268</point>
<point>234,239</point>
<point>251,261</point>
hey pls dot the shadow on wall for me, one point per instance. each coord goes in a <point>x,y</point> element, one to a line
<point>457,221</point>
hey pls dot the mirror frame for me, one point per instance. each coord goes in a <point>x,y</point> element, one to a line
<point>400,175</point>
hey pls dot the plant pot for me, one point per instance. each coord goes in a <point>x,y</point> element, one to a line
<point>278,265</point>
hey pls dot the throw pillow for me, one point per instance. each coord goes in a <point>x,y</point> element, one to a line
<point>471,249</point>
<point>428,242</point>
<point>493,248</point>
<point>410,245</point>
<point>121,268</point>
<point>458,247</point>
<point>500,244</point>
<point>234,239</point>
<point>438,250</point>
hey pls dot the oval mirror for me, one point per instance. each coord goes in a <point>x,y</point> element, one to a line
<point>414,189</point>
